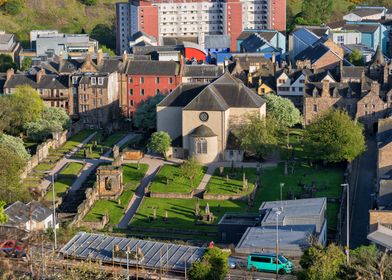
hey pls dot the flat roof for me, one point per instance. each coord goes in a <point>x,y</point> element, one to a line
<point>292,208</point>
<point>290,237</point>
<point>240,219</point>
<point>99,247</point>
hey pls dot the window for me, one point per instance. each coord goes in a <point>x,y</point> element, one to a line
<point>93,81</point>
<point>142,80</point>
<point>314,107</point>
<point>201,146</point>
<point>260,259</point>
<point>301,81</point>
<point>301,89</point>
<point>130,80</point>
<point>157,80</point>
<point>100,81</point>
<point>157,91</point>
<point>131,103</point>
<point>130,91</point>
<point>340,39</point>
<point>74,80</point>
<point>170,80</point>
<point>141,91</point>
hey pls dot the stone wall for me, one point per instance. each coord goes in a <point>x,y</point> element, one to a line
<point>43,150</point>
<point>242,197</point>
<point>172,195</point>
<point>85,206</point>
<point>379,216</point>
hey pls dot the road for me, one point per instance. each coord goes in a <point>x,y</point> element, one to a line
<point>361,195</point>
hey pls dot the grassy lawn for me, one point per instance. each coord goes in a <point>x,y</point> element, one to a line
<point>43,166</point>
<point>76,140</point>
<point>176,184</point>
<point>103,145</point>
<point>132,177</point>
<point>65,179</point>
<point>218,184</point>
<point>295,140</point>
<point>181,212</point>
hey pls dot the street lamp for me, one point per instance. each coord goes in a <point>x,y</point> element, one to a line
<point>277,212</point>
<point>281,194</point>
<point>127,252</point>
<point>347,221</point>
<point>54,211</point>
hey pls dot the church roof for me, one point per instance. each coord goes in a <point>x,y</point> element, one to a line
<point>203,131</point>
<point>223,93</point>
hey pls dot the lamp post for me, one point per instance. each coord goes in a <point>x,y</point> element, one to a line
<point>281,194</point>
<point>277,212</point>
<point>54,210</point>
<point>127,253</point>
<point>347,221</point>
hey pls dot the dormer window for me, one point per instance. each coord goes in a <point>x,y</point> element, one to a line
<point>100,81</point>
<point>93,81</point>
<point>75,80</point>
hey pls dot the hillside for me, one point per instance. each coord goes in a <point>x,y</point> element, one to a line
<point>65,15</point>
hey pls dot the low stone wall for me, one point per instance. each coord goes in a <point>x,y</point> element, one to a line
<point>85,206</point>
<point>95,225</point>
<point>242,197</point>
<point>172,195</point>
<point>43,150</point>
<point>173,230</point>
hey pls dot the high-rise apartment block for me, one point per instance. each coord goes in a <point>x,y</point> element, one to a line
<point>196,18</point>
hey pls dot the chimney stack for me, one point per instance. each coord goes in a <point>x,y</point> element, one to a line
<point>100,57</point>
<point>40,74</point>
<point>10,73</point>
<point>325,91</point>
<point>125,56</point>
<point>375,88</point>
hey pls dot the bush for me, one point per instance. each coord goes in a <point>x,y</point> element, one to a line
<point>89,2</point>
<point>13,7</point>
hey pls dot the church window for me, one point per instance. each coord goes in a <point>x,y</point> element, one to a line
<point>201,146</point>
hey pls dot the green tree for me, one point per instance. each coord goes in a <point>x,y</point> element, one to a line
<point>258,136</point>
<point>11,165</point>
<point>105,35</point>
<point>13,7</point>
<point>146,114</point>
<point>283,110</point>
<point>5,113</point>
<point>27,106</point>
<point>160,142</point>
<point>110,52</point>
<point>6,62</point>
<point>316,12</point>
<point>3,216</point>
<point>26,63</point>
<point>321,263</point>
<point>14,144</point>
<point>334,137</point>
<point>191,169</point>
<point>355,57</point>
<point>367,262</point>
<point>213,266</point>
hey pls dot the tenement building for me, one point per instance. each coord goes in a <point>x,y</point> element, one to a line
<point>176,18</point>
<point>200,117</point>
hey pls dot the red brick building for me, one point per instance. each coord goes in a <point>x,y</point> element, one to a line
<point>146,79</point>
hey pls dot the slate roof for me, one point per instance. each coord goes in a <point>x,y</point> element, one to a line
<point>170,41</point>
<point>203,131</point>
<point>306,35</point>
<point>153,67</point>
<point>216,42</point>
<point>148,50</point>
<point>5,38</point>
<point>382,236</point>
<point>254,42</point>
<point>50,81</point>
<point>363,28</point>
<point>364,12</point>
<point>267,35</point>
<point>347,90</point>
<point>313,53</point>
<point>139,34</point>
<point>352,72</point>
<point>202,71</point>
<point>19,212</point>
<point>221,94</point>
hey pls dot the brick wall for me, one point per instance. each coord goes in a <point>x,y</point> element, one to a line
<point>379,216</point>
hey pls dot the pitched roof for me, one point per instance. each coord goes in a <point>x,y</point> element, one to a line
<point>307,36</point>
<point>254,42</point>
<point>223,93</point>
<point>19,212</point>
<point>48,81</point>
<point>378,57</point>
<point>5,38</point>
<point>216,42</point>
<point>203,131</point>
<point>153,67</point>
<point>352,72</point>
<point>267,35</point>
<point>313,53</point>
<point>139,34</point>
<point>205,70</point>
<point>363,28</point>
<point>346,90</point>
<point>369,11</point>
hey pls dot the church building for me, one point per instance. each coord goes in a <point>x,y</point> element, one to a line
<point>200,117</point>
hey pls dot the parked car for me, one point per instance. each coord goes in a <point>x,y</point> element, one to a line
<point>267,262</point>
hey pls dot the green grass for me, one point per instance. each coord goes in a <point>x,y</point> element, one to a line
<point>132,177</point>
<point>103,145</point>
<point>181,213</point>
<point>218,184</point>
<point>65,179</point>
<point>44,166</point>
<point>332,214</point>
<point>75,140</point>
<point>177,183</point>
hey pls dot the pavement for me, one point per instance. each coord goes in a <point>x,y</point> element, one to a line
<point>361,199</point>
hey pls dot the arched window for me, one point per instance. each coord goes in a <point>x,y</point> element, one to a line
<point>201,146</point>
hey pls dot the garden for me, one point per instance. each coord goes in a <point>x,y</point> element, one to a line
<point>133,173</point>
<point>170,179</point>
<point>64,181</point>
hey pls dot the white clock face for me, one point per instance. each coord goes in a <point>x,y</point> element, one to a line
<point>203,116</point>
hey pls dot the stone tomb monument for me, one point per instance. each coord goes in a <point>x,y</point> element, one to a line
<point>109,182</point>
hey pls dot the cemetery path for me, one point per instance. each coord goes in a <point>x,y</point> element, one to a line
<point>62,162</point>
<point>124,140</point>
